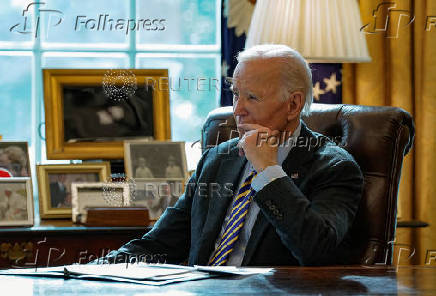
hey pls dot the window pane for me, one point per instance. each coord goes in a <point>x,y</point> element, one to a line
<point>177,22</point>
<point>16,97</point>
<point>84,60</point>
<point>97,23</point>
<point>16,29</point>
<point>194,89</point>
<point>17,112</point>
<point>18,105</point>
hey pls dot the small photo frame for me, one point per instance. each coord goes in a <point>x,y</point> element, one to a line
<point>14,159</point>
<point>16,202</point>
<point>155,159</point>
<point>157,194</point>
<point>102,194</point>
<point>55,181</point>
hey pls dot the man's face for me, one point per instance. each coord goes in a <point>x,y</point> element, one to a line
<point>142,162</point>
<point>256,95</point>
<point>62,178</point>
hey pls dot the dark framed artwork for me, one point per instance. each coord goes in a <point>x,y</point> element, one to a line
<point>90,112</point>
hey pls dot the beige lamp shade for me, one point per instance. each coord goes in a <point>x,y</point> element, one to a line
<point>323,31</point>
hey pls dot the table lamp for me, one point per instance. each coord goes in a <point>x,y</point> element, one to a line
<point>323,31</point>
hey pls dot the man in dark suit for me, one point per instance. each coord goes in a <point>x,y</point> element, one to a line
<point>281,194</point>
<point>58,191</point>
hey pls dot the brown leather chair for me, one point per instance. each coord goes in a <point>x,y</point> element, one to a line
<point>378,138</point>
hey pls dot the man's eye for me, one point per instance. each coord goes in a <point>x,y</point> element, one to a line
<point>252,97</point>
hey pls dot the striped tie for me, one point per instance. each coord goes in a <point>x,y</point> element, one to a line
<point>235,223</point>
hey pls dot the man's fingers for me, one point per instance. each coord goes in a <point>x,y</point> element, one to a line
<point>254,136</point>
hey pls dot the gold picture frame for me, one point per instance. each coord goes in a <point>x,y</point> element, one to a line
<point>54,184</point>
<point>61,82</point>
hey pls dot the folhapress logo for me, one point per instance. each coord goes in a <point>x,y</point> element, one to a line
<point>105,23</point>
<point>388,20</point>
<point>55,18</point>
<point>100,23</point>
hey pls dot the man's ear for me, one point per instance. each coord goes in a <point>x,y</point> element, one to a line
<point>295,105</point>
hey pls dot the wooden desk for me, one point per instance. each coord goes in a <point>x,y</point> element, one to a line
<point>59,242</point>
<point>286,281</point>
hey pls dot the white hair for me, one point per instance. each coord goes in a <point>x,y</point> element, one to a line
<point>295,71</point>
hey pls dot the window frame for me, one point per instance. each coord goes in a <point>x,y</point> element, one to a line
<point>133,51</point>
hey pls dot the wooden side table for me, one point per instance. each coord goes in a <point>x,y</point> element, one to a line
<point>53,243</point>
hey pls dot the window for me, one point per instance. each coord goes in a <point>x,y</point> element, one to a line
<point>180,35</point>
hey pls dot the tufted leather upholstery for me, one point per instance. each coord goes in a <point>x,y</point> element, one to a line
<point>378,138</point>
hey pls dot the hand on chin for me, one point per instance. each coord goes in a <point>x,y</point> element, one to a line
<point>254,144</point>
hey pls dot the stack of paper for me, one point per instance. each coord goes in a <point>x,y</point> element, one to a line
<point>139,273</point>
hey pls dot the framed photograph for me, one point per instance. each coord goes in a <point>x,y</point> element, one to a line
<point>88,113</point>
<point>16,202</point>
<point>55,185</point>
<point>154,159</point>
<point>14,159</point>
<point>107,194</point>
<point>157,194</point>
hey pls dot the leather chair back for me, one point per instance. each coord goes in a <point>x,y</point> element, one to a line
<point>378,138</point>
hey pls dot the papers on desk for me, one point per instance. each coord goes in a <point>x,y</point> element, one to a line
<point>139,273</point>
<point>233,270</point>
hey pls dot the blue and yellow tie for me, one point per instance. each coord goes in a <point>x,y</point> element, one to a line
<point>240,207</point>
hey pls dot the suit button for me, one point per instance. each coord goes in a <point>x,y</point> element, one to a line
<point>268,203</point>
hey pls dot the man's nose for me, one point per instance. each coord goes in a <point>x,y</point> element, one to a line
<point>239,107</point>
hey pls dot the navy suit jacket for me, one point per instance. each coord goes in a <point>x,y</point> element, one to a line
<point>304,218</point>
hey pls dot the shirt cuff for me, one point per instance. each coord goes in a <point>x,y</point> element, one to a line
<point>266,176</point>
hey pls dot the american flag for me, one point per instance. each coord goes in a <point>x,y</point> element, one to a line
<point>327,83</point>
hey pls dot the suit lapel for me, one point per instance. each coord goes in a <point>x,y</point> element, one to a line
<point>295,164</point>
<point>229,171</point>
<point>293,167</point>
